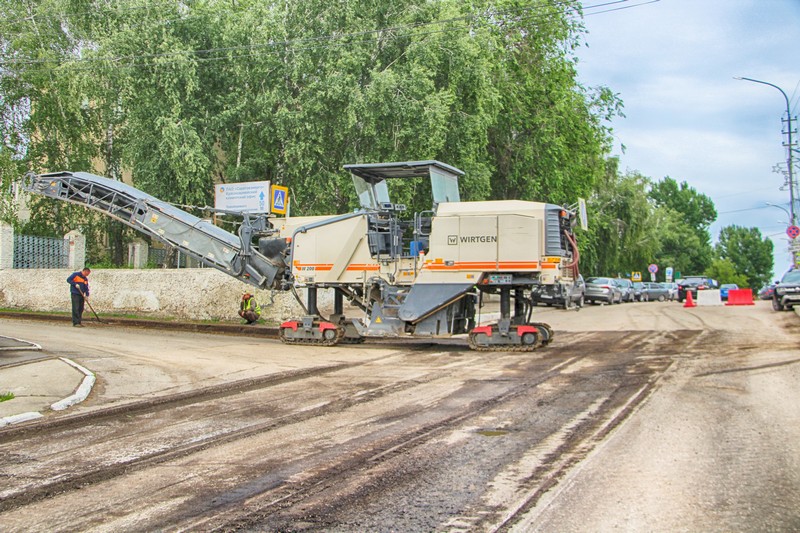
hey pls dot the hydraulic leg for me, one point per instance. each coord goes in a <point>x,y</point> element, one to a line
<point>313,310</point>
<point>351,334</point>
<point>519,307</point>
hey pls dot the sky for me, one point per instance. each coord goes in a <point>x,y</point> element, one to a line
<point>673,64</point>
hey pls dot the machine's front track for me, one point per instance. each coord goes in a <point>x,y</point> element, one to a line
<point>310,331</point>
<point>517,338</point>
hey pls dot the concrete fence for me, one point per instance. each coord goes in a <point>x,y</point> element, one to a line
<point>188,293</point>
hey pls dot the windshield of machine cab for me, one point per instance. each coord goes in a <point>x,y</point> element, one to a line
<point>445,187</point>
<point>370,196</point>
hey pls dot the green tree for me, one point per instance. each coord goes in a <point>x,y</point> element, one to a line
<point>623,232</point>
<point>750,254</point>
<point>724,271</point>
<point>687,216</point>
<point>176,96</point>
<point>697,209</point>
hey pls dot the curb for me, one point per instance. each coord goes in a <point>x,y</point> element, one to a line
<point>200,327</point>
<point>81,393</point>
<point>83,389</point>
<point>16,419</point>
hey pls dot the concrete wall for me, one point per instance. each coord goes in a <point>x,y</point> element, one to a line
<point>187,293</point>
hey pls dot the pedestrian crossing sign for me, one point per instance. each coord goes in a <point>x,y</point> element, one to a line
<point>280,199</point>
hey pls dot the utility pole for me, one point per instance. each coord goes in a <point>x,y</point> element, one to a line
<point>789,144</point>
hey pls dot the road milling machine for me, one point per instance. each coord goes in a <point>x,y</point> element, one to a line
<point>420,275</point>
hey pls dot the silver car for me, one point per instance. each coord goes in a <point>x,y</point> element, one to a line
<point>656,291</point>
<point>602,290</point>
<point>626,287</point>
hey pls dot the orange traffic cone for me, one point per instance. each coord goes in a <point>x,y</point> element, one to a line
<point>689,300</point>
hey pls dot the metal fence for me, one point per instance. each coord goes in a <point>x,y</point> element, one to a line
<point>40,252</point>
<point>158,256</point>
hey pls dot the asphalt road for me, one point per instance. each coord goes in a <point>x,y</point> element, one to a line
<point>645,416</point>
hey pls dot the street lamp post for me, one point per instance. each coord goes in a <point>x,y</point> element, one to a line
<point>791,241</point>
<point>788,214</point>
<point>790,144</point>
<point>789,150</point>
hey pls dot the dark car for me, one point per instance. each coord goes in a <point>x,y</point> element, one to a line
<point>656,291</point>
<point>724,288</point>
<point>767,291</point>
<point>692,284</point>
<point>561,294</point>
<point>626,287</point>
<point>602,290</point>
<point>787,291</point>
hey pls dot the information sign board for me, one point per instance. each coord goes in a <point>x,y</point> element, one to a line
<point>250,196</point>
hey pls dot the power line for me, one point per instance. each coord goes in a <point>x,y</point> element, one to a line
<point>742,210</point>
<point>743,192</point>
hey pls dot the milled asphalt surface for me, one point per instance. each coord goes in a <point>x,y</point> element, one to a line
<point>42,383</point>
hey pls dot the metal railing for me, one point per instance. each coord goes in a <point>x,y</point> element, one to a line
<point>40,252</point>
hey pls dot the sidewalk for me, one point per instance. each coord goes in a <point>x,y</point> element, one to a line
<point>40,386</point>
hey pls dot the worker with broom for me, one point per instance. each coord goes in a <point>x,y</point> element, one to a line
<point>79,292</point>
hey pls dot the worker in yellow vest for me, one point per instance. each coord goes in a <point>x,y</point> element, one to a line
<point>249,309</point>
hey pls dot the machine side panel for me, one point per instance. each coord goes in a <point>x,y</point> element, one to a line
<point>333,253</point>
<point>444,240</point>
<point>477,242</point>
<point>464,246</point>
<point>519,241</point>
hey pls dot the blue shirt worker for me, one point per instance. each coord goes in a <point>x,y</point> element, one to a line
<point>79,292</point>
<point>249,308</point>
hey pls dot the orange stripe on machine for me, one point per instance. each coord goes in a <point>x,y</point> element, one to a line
<point>325,267</point>
<point>487,265</point>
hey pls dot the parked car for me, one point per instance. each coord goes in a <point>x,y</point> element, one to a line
<point>787,292</point>
<point>561,295</point>
<point>673,290</point>
<point>602,290</point>
<point>626,287</point>
<point>638,290</point>
<point>578,293</point>
<point>766,292</point>
<point>655,291</point>
<point>694,284</point>
<point>724,288</point>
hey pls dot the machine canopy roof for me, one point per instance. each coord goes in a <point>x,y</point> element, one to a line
<point>373,193</point>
